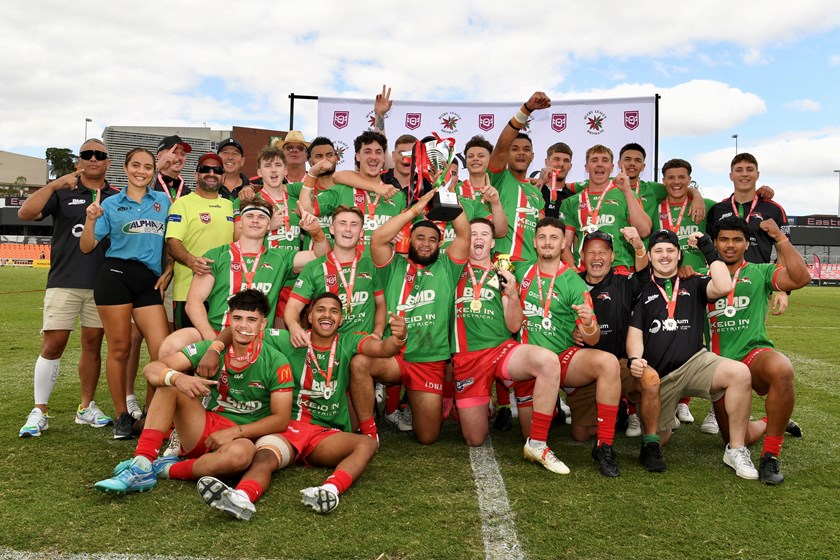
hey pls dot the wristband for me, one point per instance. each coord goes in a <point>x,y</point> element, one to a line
<point>527,108</point>
<point>520,117</point>
<point>320,238</point>
<point>169,375</point>
<point>308,174</point>
<point>644,252</point>
<point>305,188</point>
<point>218,346</point>
<point>707,246</point>
<point>630,361</point>
<point>513,126</point>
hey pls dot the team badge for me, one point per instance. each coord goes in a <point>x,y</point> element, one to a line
<point>486,121</point>
<point>631,120</point>
<point>341,118</point>
<point>204,217</point>
<point>156,206</point>
<point>558,122</point>
<point>412,120</point>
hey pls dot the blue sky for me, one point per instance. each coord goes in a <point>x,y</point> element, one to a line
<point>767,71</point>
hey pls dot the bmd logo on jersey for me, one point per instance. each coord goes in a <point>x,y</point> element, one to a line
<point>412,120</point>
<point>486,121</point>
<point>631,120</point>
<point>558,122</point>
<point>341,118</point>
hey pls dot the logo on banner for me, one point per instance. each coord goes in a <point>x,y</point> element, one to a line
<point>558,122</point>
<point>631,119</point>
<point>595,122</point>
<point>340,150</point>
<point>486,121</point>
<point>449,122</point>
<point>371,120</point>
<point>341,118</point>
<point>412,120</point>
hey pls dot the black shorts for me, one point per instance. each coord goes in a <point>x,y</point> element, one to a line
<point>122,282</point>
<point>179,314</point>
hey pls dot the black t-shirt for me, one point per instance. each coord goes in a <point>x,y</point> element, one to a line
<point>761,244</point>
<point>612,300</point>
<point>69,267</point>
<point>171,185</point>
<point>666,351</point>
<point>552,208</point>
<point>224,192</point>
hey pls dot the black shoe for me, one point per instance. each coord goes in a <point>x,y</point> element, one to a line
<point>793,429</point>
<point>604,455</point>
<point>122,426</point>
<point>768,470</point>
<point>651,457</point>
<point>503,421</point>
<point>138,425</point>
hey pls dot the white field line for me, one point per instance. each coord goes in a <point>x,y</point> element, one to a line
<point>497,520</point>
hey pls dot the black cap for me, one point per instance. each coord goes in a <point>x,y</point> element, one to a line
<point>426,224</point>
<point>230,142</point>
<point>598,234</point>
<point>168,141</point>
<point>663,236</point>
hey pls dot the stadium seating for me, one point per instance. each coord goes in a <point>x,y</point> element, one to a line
<point>21,251</point>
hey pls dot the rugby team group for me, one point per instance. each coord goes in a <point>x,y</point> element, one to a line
<point>283,314</point>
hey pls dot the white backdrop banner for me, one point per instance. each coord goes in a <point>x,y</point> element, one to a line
<point>580,124</point>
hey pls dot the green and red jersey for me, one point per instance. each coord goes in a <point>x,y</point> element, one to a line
<point>472,209</point>
<point>375,208</point>
<point>324,274</point>
<point>523,203</point>
<point>244,389</point>
<point>737,319</point>
<point>608,212</point>
<point>287,234</point>
<point>677,218</point>
<point>552,327</point>
<point>231,270</point>
<point>478,326</point>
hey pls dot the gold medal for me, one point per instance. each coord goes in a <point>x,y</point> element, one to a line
<point>475,305</point>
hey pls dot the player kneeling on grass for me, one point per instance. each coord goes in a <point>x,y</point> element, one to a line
<point>666,352</point>
<point>738,331</point>
<point>250,396</point>
<point>319,433</point>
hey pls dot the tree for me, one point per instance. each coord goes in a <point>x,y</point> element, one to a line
<point>61,161</point>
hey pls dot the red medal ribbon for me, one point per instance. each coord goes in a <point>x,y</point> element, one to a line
<point>730,298</point>
<point>280,204</point>
<point>166,188</point>
<point>672,302</point>
<point>738,212</point>
<point>312,361</point>
<point>477,285</point>
<point>348,286</point>
<point>666,209</point>
<point>238,256</point>
<point>592,216</point>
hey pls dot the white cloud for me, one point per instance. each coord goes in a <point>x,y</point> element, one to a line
<point>834,60</point>
<point>803,105</point>
<point>754,57</point>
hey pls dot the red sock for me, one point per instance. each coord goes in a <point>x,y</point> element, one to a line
<point>392,398</point>
<point>341,480</point>
<point>502,394</point>
<point>182,470</point>
<point>772,444</point>
<point>606,423</point>
<point>251,487</point>
<point>631,408</point>
<point>764,419</point>
<point>540,424</point>
<point>149,444</point>
<point>368,427</point>
<point>685,400</point>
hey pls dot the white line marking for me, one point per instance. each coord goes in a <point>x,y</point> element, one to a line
<point>497,520</point>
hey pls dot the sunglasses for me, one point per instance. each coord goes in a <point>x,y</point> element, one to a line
<point>88,155</point>
<point>295,148</point>
<point>210,169</point>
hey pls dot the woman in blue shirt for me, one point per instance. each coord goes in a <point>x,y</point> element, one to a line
<point>131,281</point>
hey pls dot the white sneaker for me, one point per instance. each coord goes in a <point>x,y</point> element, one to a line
<point>710,425</point>
<point>634,426</point>
<point>133,408</point>
<point>566,410</point>
<point>219,495</point>
<point>543,455</point>
<point>173,448</point>
<point>401,418</point>
<point>677,423</point>
<point>684,414</point>
<point>740,460</point>
<point>36,423</point>
<point>380,393</point>
<point>319,498</point>
<point>92,416</point>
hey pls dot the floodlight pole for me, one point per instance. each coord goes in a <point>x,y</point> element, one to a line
<point>838,199</point>
<point>735,136</point>
<point>87,120</point>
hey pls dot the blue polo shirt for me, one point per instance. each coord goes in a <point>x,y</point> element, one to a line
<point>136,229</point>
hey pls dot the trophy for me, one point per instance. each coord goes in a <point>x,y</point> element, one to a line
<point>503,263</point>
<point>432,156</point>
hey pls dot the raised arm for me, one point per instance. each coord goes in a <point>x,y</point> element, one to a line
<point>34,204</point>
<point>499,156</point>
<point>636,214</point>
<point>794,274</point>
<point>381,250</point>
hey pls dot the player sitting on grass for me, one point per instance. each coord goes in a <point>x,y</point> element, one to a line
<point>320,432</point>
<point>249,396</point>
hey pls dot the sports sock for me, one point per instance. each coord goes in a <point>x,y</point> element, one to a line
<point>540,424</point>
<point>340,480</point>
<point>149,444</point>
<point>252,488</point>
<point>631,408</point>
<point>502,395</point>
<point>182,470</point>
<point>606,423</point>
<point>773,444</point>
<point>46,376</point>
<point>764,419</point>
<point>368,427</point>
<point>650,438</point>
<point>685,400</point>
<point>392,398</point>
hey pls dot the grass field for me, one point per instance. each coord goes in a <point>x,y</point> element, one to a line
<point>421,502</point>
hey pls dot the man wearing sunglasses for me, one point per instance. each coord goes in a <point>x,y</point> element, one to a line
<point>70,284</point>
<point>197,222</point>
<point>171,157</point>
<point>295,148</point>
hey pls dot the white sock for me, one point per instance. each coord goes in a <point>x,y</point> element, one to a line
<point>46,376</point>
<point>535,442</point>
<point>331,487</point>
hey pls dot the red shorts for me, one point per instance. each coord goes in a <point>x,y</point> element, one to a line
<point>305,437</point>
<point>748,360</point>
<point>475,373</point>
<point>422,376</point>
<point>213,422</point>
<point>282,300</point>
<point>565,358</point>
